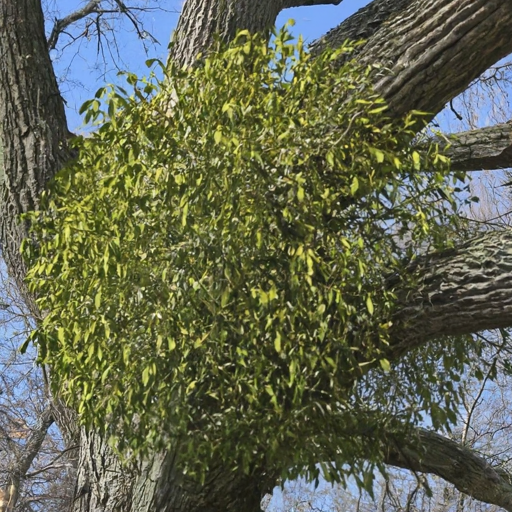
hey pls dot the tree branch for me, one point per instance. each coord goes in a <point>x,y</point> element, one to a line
<point>390,26</point>
<point>424,44</point>
<point>62,24</point>
<point>485,148</point>
<point>303,3</point>
<point>458,291</point>
<point>429,452</point>
<point>28,454</point>
<point>360,26</point>
<point>94,7</point>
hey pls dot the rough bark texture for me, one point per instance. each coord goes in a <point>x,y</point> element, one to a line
<point>429,452</point>
<point>33,129</point>
<point>460,291</point>
<point>434,49</point>
<point>360,26</point>
<point>486,148</point>
<point>423,45</point>
<point>201,20</point>
<point>157,485</point>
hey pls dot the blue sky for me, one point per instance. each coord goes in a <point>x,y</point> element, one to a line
<point>81,71</point>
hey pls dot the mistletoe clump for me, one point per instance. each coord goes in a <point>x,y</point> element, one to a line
<point>212,266</point>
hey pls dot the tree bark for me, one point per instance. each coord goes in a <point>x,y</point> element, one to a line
<point>434,49</point>
<point>158,485</point>
<point>485,148</point>
<point>33,130</point>
<point>428,452</point>
<point>202,20</point>
<point>459,291</point>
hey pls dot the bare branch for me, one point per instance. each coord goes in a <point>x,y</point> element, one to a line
<point>29,452</point>
<point>142,34</point>
<point>94,7</point>
<point>61,25</point>
<point>52,464</point>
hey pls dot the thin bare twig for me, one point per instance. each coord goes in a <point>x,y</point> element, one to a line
<point>62,24</point>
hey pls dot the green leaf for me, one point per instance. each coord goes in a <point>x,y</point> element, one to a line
<point>97,299</point>
<point>146,375</point>
<point>385,365</point>
<point>369,305</point>
<point>355,185</point>
<point>417,160</point>
<point>378,154</point>
<point>277,342</point>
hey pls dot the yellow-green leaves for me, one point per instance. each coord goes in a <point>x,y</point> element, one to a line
<point>215,267</point>
<point>369,305</point>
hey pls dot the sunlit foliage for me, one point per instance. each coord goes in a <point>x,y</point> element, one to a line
<point>213,266</point>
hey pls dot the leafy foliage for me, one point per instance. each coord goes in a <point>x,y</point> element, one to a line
<point>213,265</point>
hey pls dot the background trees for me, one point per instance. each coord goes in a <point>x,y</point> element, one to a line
<point>434,50</point>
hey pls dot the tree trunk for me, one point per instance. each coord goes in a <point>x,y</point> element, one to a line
<point>157,485</point>
<point>434,48</point>
<point>33,126</point>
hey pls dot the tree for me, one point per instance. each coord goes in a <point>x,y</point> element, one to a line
<point>482,425</point>
<point>31,446</point>
<point>434,50</point>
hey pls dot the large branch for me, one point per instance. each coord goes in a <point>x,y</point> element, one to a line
<point>433,48</point>
<point>429,452</point>
<point>303,3</point>
<point>458,291</point>
<point>360,26</point>
<point>425,46</point>
<point>200,22</point>
<point>485,148</point>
